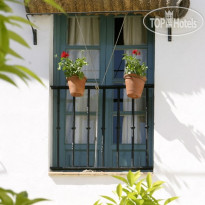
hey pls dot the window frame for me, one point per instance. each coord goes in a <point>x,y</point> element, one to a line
<point>60,38</point>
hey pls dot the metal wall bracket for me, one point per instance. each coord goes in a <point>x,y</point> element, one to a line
<point>169,34</point>
<point>34,31</point>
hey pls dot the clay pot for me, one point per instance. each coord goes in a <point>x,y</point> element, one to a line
<point>76,86</point>
<point>134,85</point>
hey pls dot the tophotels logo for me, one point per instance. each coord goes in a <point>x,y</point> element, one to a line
<point>190,23</point>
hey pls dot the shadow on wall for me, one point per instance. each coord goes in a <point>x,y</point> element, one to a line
<point>2,169</point>
<point>179,119</point>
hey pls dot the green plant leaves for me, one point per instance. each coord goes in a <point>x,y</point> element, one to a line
<point>149,180</point>
<point>72,68</point>
<point>133,65</point>
<point>20,71</point>
<point>110,199</point>
<point>4,38</point>
<point>138,187</point>
<point>8,197</point>
<point>136,192</point>
<point>29,73</point>
<point>14,36</point>
<point>54,4</point>
<point>7,79</point>
<point>131,178</point>
<point>5,199</point>
<point>119,190</point>
<point>121,179</point>
<point>170,200</point>
<point>97,202</point>
<point>4,7</point>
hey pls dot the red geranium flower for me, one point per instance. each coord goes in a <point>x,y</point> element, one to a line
<point>64,54</point>
<point>136,52</point>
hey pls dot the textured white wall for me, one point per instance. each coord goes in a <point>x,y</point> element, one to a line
<point>25,123</point>
<point>180,114</point>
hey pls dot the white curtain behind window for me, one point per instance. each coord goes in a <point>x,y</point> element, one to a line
<point>134,34</point>
<point>134,31</point>
<point>83,30</point>
<point>88,26</point>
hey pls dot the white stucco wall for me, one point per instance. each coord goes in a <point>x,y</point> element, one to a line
<point>179,157</point>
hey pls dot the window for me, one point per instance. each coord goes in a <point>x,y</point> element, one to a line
<point>104,131</point>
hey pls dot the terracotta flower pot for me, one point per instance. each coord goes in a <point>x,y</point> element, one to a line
<point>76,86</point>
<point>134,85</point>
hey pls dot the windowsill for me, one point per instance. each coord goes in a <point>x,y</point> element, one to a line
<point>92,173</point>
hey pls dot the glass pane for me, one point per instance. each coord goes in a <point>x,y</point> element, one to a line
<point>134,32</point>
<point>80,131</point>
<point>118,33</point>
<point>119,64</point>
<point>126,131</point>
<point>91,71</point>
<point>83,30</point>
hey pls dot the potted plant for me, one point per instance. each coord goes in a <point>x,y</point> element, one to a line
<point>134,75</point>
<point>73,73</point>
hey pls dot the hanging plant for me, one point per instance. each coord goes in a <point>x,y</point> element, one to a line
<point>73,73</point>
<point>134,75</point>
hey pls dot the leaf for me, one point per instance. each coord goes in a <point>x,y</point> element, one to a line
<point>13,53</point>
<point>4,197</point>
<point>30,73</point>
<point>15,71</point>
<point>139,201</point>
<point>137,175</point>
<point>158,183</point>
<point>4,39</point>
<point>54,4</point>
<point>7,79</point>
<point>126,191</point>
<point>16,1</point>
<point>149,180</point>
<point>21,198</point>
<point>130,178</point>
<point>97,202</point>
<point>4,7</point>
<point>121,178</point>
<point>36,201</point>
<point>110,199</point>
<point>14,36</point>
<point>20,19</point>
<point>8,191</point>
<point>138,187</point>
<point>153,189</point>
<point>119,190</point>
<point>123,201</point>
<point>170,200</point>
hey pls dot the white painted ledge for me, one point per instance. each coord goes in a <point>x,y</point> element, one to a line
<point>88,173</point>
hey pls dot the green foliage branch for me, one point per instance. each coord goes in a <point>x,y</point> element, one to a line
<point>136,191</point>
<point>9,197</point>
<point>6,36</point>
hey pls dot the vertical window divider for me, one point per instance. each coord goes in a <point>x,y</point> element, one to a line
<point>73,137</point>
<point>103,129</point>
<point>88,128</point>
<point>147,127</point>
<point>58,128</point>
<point>133,132</point>
<point>118,126</point>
